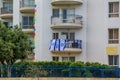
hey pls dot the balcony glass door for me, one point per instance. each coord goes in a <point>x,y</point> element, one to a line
<point>27,3</point>
<point>55,13</point>
<point>68,36</point>
<point>27,22</point>
<point>66,14</point>
<point>8,6</point>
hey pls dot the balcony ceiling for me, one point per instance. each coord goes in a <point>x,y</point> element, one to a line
<point>66,26</point>
<point>28,30</point>
<point>7,0</point>
<point>66,2</point>
<point>69,50</point>
<point>27,9</point>
<point>6,16</point>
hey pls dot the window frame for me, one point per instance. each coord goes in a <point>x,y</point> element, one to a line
<point>113,63</point>
<point>69,35</point>
<point>113,40</point>
<point>55,35</point>
<point>55,58</point>
<point>68,59</point>
<point>111,9</point>
<point>28,25</point>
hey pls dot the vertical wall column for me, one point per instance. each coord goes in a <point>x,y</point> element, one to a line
<point>38,29</point>
<point>34,34</point>
<point>16,12</point>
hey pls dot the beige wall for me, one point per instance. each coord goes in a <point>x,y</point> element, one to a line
<point>59,79</point>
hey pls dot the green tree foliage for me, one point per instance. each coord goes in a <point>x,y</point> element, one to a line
<point>14,44</point>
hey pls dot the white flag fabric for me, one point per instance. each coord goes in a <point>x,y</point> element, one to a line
<point>62,44</point>
<point>52,45</point>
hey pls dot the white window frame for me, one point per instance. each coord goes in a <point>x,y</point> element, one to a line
<point>113,36</point>
<point>113,13</point>
<point>66,58</point>
<point>29,26</point>
<point>55,57</point>
<point>113,60</point>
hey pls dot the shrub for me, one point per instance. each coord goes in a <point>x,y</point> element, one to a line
<point>35,71</point>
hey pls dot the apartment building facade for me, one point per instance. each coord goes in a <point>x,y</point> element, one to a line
<point>88,28</point>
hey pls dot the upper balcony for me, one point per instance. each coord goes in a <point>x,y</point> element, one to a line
<point>6,13</point>
<point>71,21</point>
<point>27,6</point>
<point>66,2</point>
<point>70,46</point>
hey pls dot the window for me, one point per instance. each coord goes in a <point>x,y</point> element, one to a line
<point>27,22</point>
<point>31,38</point>
<point>113,36</point>
<point>65,59</point>
<point>69,36</point>
<point>55,12</point>
<point>113,9</point>
<point>68,15</point>
<point>55,35</point>
<point>72,36</point>
<point>113,60</point>
<point>8,6</point>
<point>28,3</point>
<point>8,24</point>
<point>55,58</point>
<point>71,59</point>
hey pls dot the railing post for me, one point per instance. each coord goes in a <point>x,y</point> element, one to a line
<point>102,73</point>
<point>117,72</point>
<point>69,72</point>
<point>1,70</point>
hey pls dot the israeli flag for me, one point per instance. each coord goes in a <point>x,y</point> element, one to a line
<point>57,47</point>
<point>62,44</point>
<point>80,44</point>
<point>52,45</point>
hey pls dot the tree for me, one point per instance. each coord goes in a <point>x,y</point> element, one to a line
<point>14,44</point>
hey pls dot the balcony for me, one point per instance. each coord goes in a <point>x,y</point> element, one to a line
<point>66,2</point>
<point>27,6</point>
<point>6,13</point>
<point>66,22</point>
<point>71,46</point>
<point>27,28</point>
<point>7,0</point>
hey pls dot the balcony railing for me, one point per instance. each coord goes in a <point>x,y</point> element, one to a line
<point>74,44</point>
<point>66,44</point>
<point>5,10</point>
<point>71,19</point>
<point>27,3</point>
<point>27,27</point>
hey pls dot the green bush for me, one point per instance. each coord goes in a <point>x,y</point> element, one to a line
<point>65,72</point>
<point>64,64</point>
<point>35,71</point>
<point>87,73</point>
<point>62,69</point>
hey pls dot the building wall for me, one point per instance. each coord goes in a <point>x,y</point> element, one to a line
<point>96,38</point>
<point>16,12</point>
<point>94,32</point>
<point>44,32</point>
<point>97,31</point>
